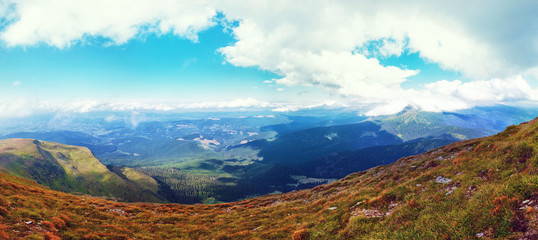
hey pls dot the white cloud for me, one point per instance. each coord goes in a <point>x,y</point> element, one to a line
<point>13,108</point>
<point>236,103</point>
<point>136,118</point>
<point>298,107</point>
<point>391,47</point>
<point>16,83</point>
<point>25,107</point>
<point>61,23</point>
<point>345,73</point>
<point>7,11</point>
<point>112,118</point>
<point>453,95</point>
<point>322,43</point>
<point>504,44</point>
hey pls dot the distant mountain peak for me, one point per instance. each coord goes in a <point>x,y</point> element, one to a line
<point>409,108</point>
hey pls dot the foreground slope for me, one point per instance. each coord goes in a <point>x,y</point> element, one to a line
<point>481,188</point>
<point>68,168</point>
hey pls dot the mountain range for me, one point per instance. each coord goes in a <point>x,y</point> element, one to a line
<point>478,188</point>
<point>232,157</point>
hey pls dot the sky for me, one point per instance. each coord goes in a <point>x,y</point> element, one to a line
<point>375,57</point>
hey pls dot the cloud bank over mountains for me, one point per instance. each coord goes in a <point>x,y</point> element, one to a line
<point>23,107</point>
<point>333,45</point>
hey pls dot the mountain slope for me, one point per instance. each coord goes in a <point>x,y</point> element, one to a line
<point>480,188</point>
<point>412,123</point>
<point>305,145</point>
<point>340,164</point>
<point>67,168</point>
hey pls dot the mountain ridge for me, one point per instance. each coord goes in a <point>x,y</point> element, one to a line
<point>227,159</point>
<point>478,188</point>
<point>66,168</point>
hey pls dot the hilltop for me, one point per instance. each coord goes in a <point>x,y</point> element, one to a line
<point>71,169</point>
<point>479,188</point>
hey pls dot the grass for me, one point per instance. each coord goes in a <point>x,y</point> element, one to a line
<point>493,193</point>
<point>141,179</point>
<point>67,168</point>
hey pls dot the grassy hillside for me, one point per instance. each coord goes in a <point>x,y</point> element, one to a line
<point>67,168</point>
<point>481,188</point>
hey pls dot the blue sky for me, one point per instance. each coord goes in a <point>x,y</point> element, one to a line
<point>155,66</point>
<point>374,57</point>
<point>159,66</point>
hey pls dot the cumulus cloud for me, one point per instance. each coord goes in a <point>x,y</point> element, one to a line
<point>268,33</point>
<point>334,45</point>
<point>61,23</point>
